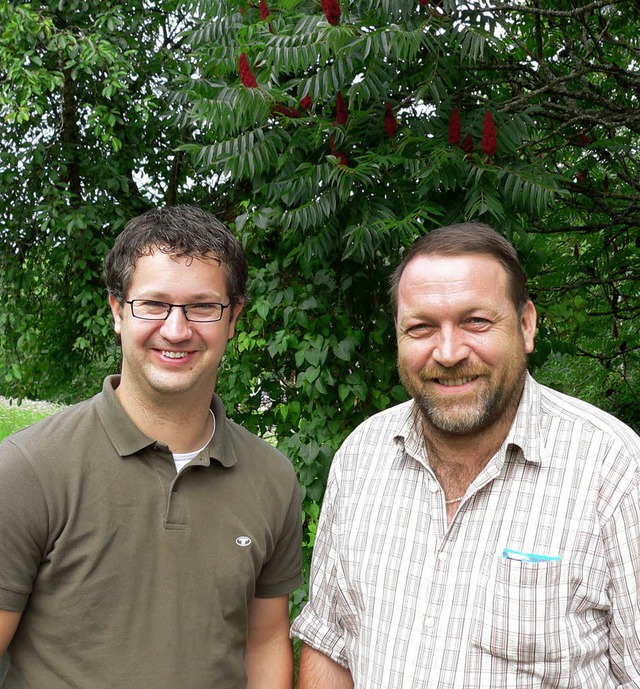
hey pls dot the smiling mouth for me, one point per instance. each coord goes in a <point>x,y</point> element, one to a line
<point>174,355</point>
<point>453,382</point>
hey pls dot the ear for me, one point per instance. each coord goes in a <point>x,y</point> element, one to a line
<point>233,319</point>
<point>528,322</point>
<point>116,312</point>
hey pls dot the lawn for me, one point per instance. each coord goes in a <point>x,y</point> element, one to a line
<point>14,417</point>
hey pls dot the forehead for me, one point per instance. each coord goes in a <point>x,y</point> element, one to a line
<point>165,270</point>
<point>451,279</point>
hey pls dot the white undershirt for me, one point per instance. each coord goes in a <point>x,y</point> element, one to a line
<point>181,459</point>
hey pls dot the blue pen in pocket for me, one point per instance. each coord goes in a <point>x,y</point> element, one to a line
<point>510,554</point>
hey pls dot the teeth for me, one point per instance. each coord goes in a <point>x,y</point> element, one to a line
<point>453,382</point>
<point>174,355</point>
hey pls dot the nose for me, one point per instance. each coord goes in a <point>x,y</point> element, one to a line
<point>450,348</point>
<point>176,327</point>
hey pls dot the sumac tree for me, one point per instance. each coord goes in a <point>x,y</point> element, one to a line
<point>365,124</point>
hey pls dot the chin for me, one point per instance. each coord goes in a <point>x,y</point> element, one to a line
<point>456,424</point>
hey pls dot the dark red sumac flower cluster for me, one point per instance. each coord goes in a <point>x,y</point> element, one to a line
<point>467,144</point>
<point>390,123</point>
<point>454,128</point>
<point>342,115</point>
<point>331,9</point>
<point>279,109</point>
<point>489,143</point>
<point>246,75</point>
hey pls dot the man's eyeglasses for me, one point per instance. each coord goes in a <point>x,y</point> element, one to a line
<point>205,312</point>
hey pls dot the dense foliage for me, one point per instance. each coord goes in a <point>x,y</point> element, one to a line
<point>356,127</point>
<point>329,135</point>
<point>574,67</point>
<point>85,147</point>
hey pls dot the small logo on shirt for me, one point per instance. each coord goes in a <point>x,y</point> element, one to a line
<point>243,541</point>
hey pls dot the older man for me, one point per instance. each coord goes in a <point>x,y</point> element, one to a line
<point>486,533</point>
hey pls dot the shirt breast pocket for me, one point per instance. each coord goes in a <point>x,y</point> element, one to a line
<point>520,612</point>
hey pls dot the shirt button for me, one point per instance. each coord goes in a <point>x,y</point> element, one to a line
<point>433,487</point>
<point>430,622</point>
<point>443,557</point>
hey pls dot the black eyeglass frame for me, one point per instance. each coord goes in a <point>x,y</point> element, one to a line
<point>184,308</point>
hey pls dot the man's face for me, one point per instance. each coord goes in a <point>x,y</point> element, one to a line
<point>174,356</point>
<point>461,345</point>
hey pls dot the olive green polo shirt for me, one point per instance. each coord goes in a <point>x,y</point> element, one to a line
<point>128,574</point>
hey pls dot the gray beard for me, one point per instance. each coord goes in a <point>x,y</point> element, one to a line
<point>494,405</point>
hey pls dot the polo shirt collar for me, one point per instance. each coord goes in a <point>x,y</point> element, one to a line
<point>125,436</point>
<point>221,448</point>
<point>128,439</point>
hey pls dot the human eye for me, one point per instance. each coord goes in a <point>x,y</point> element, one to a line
<point>204,309</point>
<point>478,322</point>
<point>419,329</point>
<point>148,307</point>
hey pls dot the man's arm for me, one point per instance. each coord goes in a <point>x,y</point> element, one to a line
<point>8,624</point>
<point>318,671</point>
<point>269,654</point>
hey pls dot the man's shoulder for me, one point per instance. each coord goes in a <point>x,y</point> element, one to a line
<point>59,428</point>
<point>252,450</point>
<point>49,449</point>
<point>575,410</point>
<point>392,417</point>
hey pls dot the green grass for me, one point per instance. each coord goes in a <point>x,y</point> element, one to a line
<point>14,418</point>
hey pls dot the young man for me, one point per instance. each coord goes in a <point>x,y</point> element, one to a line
<point>486,533</point>
<point>146,540</point>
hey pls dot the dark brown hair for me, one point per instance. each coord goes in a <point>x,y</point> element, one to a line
<point>181,231</point>
<point>467,238</point>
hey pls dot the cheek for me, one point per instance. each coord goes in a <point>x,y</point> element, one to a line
<point>413,354</point>
<point>502,353</point>
<point>135,334</point>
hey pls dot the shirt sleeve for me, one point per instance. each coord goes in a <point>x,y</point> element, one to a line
<point>23,527</point>
<point>621,535</point>
<point>319,624</point>
<point>282,574</point>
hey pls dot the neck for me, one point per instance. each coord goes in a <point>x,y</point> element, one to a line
<point>457,460</point>
<point>465,454</point>
<point>183,425</point>
<point>473,450</point>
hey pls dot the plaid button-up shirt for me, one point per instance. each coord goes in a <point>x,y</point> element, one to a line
<point>403,600</point>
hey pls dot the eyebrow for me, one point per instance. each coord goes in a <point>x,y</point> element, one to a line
<point>162,296</point>
<point>421,315</point>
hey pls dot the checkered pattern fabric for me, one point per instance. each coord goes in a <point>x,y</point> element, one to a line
<point>404,600</point>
